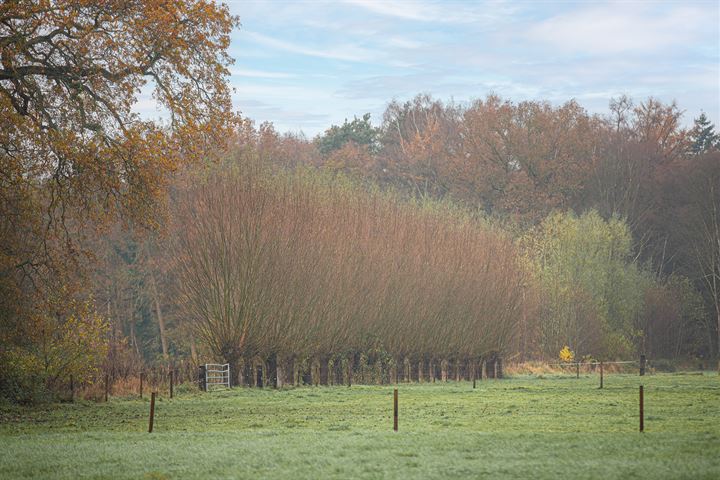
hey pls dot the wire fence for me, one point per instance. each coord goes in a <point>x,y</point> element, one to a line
<point>141,380</point>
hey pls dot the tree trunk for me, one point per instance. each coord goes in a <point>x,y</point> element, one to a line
<point>315,371</point>
<point>717,346</point>
<point>272,371</point>
<point>323,365</point>
<point>338,371</point>
<point>259,376</point>
<point>158,312</point>
<point>133,337</point>
<point>248,377</point>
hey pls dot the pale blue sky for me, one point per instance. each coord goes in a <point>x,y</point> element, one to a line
<point>307,64</point>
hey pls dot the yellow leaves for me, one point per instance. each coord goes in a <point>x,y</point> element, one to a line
<point>566,355</point>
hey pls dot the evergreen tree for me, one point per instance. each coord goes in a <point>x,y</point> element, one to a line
<point>359,131</point>
<point>703,136</point>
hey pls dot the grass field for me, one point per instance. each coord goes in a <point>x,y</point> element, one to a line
<point>525,427</point>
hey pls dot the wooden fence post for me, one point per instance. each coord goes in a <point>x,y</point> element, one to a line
<point>152,411</point>
<point>395,410</point>
<point>601,374</point>
<point>642,410</point>
<point>107,386</point>
<point>201,378</point>
<point>577,370</point>
<point>172,378</point>
<point>350,370</point>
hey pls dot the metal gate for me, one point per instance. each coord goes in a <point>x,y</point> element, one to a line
<point>217,375</point>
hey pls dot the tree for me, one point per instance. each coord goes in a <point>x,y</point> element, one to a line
<point>593,293</point>
<point>635,143</point>
<point>703,136</point>
<point>359,131</point>
<point>528,158</point>
<point>692,202</point>
<point>419,141</point>
<point>70,144</point>
<point>73,153</point>
<point>307,264</point>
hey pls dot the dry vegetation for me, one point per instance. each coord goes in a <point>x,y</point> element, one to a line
<point>286,266</point>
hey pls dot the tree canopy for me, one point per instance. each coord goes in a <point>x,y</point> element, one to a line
<point>71,144</point>
<point>74,152</point>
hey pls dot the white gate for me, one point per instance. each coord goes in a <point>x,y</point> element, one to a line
<point>217,375</point>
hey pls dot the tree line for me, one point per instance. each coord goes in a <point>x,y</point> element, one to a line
<point>447,231</point>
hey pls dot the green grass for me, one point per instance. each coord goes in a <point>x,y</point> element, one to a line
<point>527,427</point>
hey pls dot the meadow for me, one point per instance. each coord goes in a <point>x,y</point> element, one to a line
<point>530,426</point>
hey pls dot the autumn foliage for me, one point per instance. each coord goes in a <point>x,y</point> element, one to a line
<point>307,265</point>
<point>74,155</point>
<point>446,233</point>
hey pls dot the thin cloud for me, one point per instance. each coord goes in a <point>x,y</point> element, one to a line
<point>626,28</point>
<point>405,10</point>
<point>244,72</point>
<point>442,12</point>
<point>348,53</point>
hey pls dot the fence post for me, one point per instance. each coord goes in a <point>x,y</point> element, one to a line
<point>172,381</point>
<point>107,386</point>
<point>474,372</point>
<point>577,370</point>
<point>642,410</point>
<point>395,410</point>
<point>72,388</point>
<point>642,365</point>
<point>601,374</point>
<point>142,374</point>
<point>152,411</point>
<point>350,370</point>
<point>202,384</point>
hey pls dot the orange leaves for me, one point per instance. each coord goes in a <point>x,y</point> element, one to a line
<point>534,157</point>
<point>73,70</point>
<point>73,154</point>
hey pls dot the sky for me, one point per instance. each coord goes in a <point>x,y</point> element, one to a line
<point>305,65</point>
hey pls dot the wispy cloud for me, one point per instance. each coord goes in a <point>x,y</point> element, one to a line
<point>405,10</point>
<point>442,12</point>
<point>622,28</point>
<point>305,64</point>
<point>406,43</point>
<point>348,53</point>
<point>244,72</point>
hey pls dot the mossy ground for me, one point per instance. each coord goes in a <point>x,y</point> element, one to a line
<point>524,427</point>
